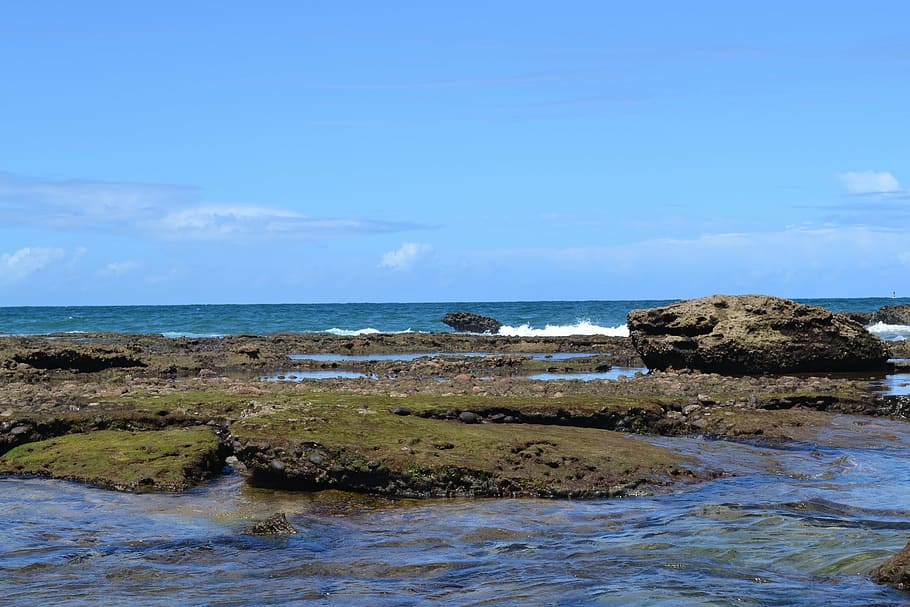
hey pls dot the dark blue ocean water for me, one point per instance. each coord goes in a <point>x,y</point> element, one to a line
<point>520,317</point>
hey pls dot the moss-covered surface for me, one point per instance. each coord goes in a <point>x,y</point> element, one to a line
<point>317,445</point>
<point>162,460</point>
<point>448,425</point>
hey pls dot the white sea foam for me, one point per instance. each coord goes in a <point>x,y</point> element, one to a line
<point>890,332</point>
<point>356,332</point>
<point>348,333</point>
<point>583,327</point>
<point>188,335</point>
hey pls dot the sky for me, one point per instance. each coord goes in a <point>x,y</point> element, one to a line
<point>294,152</point>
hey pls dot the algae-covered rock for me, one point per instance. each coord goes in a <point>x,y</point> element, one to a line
<point>359,444</point>
<point>752,334</point>
<point>161,460</point>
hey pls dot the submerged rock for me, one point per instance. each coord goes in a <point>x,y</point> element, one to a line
<point>752,335</point>
<point>276,524</point>
<point>472,323</point>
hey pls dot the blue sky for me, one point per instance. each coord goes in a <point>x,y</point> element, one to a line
<point>215,152</point>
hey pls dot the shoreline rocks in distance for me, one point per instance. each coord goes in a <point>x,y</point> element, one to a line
<point>472,323</point>
<point>752,335</point>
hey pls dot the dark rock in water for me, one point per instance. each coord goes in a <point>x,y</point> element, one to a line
<point>895,571</point>
<point>275,525</point>
<point>752,335</point>
<point>471,323</point>
<point>892,315</point>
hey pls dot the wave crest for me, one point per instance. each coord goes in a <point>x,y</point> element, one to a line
<point>890,332</point>
<point>583,327</point>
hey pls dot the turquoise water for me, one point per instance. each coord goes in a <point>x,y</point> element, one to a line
<point>800,525</point>
<point>563,317</point>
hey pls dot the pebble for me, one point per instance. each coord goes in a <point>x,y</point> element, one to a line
<point>401,411</point>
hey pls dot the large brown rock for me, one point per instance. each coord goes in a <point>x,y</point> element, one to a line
<point>751,335</point>
<point>895,571</point>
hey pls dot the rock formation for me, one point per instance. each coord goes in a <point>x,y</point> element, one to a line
<point>276,524</point>
<point>895,571</point>
<point>892,315</point>
<point>472,323</point>
<point>752,335</point>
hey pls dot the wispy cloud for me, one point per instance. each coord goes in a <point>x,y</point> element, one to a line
<point>162,211</point>
<point>405,256</point>
<point>869,182</point>
<point>78,204</point>
<point>217,222</point>
<point>20,264</point>
<point>120,268</point>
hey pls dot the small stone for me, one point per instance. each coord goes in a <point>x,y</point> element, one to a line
<point>401,411</point>
<point>316,458</point>
<point>20,430</point>
<point>277,465</point>
<point>462,378</point>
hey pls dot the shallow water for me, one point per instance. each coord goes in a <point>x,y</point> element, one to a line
<point>408,357</point>
<point>800,525</point>
<point>614,373</point>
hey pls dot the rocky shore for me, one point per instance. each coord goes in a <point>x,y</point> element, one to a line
<point>460,415</point>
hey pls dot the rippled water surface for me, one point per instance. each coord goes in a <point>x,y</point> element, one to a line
<point>800,525</point>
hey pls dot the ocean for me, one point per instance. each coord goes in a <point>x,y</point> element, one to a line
<point>525,318</point>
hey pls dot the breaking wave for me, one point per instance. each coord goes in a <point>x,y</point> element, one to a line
<point>583,327</point>
<point>356,332</point>
<point>890,332</point>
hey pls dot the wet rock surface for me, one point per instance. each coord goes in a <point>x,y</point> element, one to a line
<point>277,524</point>
<point>752,335</point>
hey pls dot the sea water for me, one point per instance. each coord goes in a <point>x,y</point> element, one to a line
<point>526,318</point>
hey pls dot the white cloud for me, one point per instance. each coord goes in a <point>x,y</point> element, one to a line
<point>119,268</point>
<point>161,211</point>
<point>26,261</point>
<point>868,182</point>
<point>404,256</point>
<point>68,204</point>
<point>216,222</point>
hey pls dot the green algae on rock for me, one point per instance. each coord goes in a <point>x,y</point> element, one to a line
<point>348,444</point>
<point>161,460</point>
